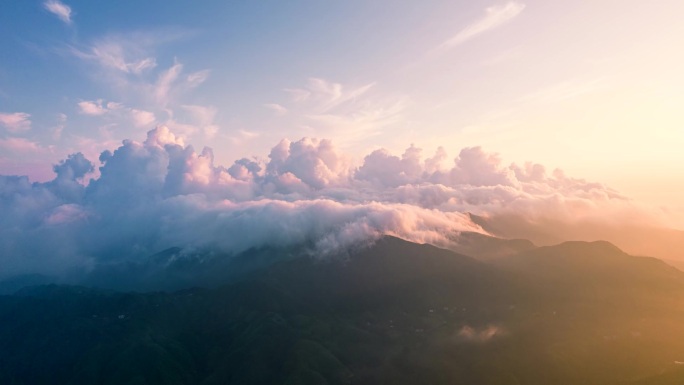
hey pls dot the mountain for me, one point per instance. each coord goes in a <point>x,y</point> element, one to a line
<point>12,284</point>
<point>660,242</point>
<point>176,269</point>
<point>599,264</point>
<point>395,312</point>
<point>487,248</point>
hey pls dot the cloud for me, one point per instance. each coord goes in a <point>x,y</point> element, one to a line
<point>59,9</point>
<point>16,121</point>
<point>495,16</point>
<point>196,78</point>
<point>203,119</point>
<point>165,81</point>
<point>118,54</point>
<point>99,107</point>
<point>325,95</point>
<point>128,63</point>
<point>139,118</point>
<point>93,108</point>
<point>276,108</point>
<point>161,193</point>
<point>61,124</point>
<point>142,118</point>
<point>204,115</point>
<point>19,145</point>
<point>347,112</point>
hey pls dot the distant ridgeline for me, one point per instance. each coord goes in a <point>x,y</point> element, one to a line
<point>494,312</point>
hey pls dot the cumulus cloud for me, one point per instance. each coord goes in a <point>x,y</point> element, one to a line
<point>59,9</point>
<point>16,121</point>
<point>161,193</point>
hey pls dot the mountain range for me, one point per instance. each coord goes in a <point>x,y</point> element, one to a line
<point>495,311</point>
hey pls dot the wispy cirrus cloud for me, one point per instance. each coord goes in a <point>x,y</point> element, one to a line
<point>495,16</point>
<point>348,112</point>
<point>15,121</point>
<point>326,95</point>
<point>196,78</point>
<point>61,124</point>
<point>165,81</point>
<point>99,108</point>
<point>19,145</point>
<point>118,54</point>
<point>59,9</point>
<point>129,63</point>
<point>152,88</point>
<point>276,108</point>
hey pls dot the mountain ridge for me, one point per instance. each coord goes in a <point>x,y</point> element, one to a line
<point>395,312</point>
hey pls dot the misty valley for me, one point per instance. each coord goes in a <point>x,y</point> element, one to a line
<point>392,312</point>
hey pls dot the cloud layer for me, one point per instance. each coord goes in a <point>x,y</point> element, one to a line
<point>160,193</point>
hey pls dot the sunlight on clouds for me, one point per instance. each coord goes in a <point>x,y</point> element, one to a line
<point>601,101</point>
<point>157,193</point>
<point>93,108</point>
<point>16,121</point>
<point>128,63</point>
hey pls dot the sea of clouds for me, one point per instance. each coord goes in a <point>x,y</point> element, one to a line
<point>159,193</point>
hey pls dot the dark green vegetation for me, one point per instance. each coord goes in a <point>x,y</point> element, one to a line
<point>395,313</point>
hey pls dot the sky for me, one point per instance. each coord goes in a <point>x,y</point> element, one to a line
<point>129,127</point>
<point>593,88</point>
